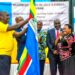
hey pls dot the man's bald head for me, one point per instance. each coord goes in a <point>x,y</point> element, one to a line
<point>2,14</point>
<point>4,17</point>
<point>39,25</point>
<point>57,24</point>
<point>19,19</point>
<point>56,20</point>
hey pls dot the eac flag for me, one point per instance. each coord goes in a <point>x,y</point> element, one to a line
<point>29,62</point>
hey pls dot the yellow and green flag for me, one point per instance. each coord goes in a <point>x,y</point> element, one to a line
<point>29,62</point>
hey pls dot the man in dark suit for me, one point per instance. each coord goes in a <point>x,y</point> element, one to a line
<point>22,39</point>
<point>52,35</point>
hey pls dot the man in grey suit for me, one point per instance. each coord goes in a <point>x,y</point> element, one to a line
<point>53,56</point>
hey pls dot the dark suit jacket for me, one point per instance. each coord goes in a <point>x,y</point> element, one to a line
<point>50,40</point>
<point>21,44</point>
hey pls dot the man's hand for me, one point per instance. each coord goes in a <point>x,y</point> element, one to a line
<point>40,40</point>
<point>30,16</point>
<point>55,52</point>
<point>19,34</point>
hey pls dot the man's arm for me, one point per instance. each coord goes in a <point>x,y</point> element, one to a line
<point>19,34</point>
<point>18,25</point>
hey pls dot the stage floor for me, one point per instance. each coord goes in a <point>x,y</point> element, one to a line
<point>13,70</point>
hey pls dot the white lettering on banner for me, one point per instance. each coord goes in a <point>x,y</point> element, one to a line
<point>46,12</point>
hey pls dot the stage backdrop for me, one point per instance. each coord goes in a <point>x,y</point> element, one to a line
<point>46,12</point>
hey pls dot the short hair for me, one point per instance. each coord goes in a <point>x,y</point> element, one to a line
<point>69,26</point>
<point>56,20</point>
<point>2,14</point>
<point>39,22</point>
<point>18,17</point>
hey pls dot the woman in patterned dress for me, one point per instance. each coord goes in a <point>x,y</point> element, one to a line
<point>66,49</point>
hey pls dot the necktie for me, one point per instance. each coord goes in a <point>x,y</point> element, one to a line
<point>57,35</point>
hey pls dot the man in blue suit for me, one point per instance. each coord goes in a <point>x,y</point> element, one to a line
<point>22,39</point>
<point>52,35</point>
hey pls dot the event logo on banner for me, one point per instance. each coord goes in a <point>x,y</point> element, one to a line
<point>46,12</point>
